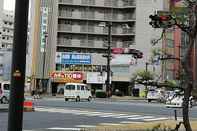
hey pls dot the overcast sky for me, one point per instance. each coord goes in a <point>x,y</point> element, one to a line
<point>9,4</point>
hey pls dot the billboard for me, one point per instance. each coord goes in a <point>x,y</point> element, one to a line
<point>73,58</point>
<point>65,77</point>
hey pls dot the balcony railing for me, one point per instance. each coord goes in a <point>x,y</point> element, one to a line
<point>106,4</point>
<point>66,1</point>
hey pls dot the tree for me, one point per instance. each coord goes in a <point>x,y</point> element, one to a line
<point>187,22</point>
<point>144,77</point>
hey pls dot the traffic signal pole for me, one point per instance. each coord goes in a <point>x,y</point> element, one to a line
<point>108,86</point>
<point>15,116</point>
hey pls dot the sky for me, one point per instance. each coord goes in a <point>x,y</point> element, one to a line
<point>9,4</point>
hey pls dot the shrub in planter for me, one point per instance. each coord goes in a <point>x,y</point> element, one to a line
<point>101,94</point>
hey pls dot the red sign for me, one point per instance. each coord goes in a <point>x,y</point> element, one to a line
<point>67,76</point>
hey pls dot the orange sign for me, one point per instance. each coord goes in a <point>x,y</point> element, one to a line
<point>65,77</point>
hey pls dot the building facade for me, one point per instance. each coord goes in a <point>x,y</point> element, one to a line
<point>6,29</point>
<point>6,40</point>
<point>73,41</point>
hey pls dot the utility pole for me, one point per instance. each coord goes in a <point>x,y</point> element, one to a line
<point>15,116</point>
<point>108,85</point>
<point>44,57</point>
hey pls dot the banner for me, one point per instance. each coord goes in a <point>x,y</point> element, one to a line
<point>73,58</point>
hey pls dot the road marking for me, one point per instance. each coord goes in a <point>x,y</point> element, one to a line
<point>85,126</point>
<point>100,114</point>
<point>129,116</point>
<point>114,115</point>
<point>64,129</point>
<point>131,122</point>
<point>156,119</point>
<point>112,124</point>
<point>143,117</point>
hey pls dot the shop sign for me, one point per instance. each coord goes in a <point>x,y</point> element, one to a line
<point>73,58</point>
<point>66,76</point>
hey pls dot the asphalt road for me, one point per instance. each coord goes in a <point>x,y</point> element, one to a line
<point>55,114</point>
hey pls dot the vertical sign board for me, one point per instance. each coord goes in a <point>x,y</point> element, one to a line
<point>43,27</point>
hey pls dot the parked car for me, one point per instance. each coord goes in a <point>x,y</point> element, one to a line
<point>4,96</point>
<point>77,91</point>
<point>155,94</point>
<point>177,102</point>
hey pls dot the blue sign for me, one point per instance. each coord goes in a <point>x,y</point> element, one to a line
<point>75,59</point>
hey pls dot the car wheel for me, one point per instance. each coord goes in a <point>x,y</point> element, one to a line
<point>77,99</point>
<point>4,100</point>
<point>66,99</point>
<point>89,98</point>
<point>149,100</point>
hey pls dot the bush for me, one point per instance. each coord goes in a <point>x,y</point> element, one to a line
<point>101,94</point>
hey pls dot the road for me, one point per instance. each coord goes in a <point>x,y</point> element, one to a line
<point>56,114</point>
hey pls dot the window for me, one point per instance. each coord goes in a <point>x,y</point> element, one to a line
<point>72,87</point>
<point>6,86</point>
<point>86,88</point>
<point>78,87</point>
<point>82,88</point>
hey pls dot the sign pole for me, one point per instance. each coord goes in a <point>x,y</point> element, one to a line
<point>15,116</point>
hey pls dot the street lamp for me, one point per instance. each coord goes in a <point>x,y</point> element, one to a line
<point>108,56</point>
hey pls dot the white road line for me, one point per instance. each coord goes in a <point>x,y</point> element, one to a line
<point>143,117</point>
<point>85,126</point>
<point>156,119</point>
<point>128,116</point>
<point>113,115</point>
<point>112,124</point>
<point>130,122</point>
<point>64,129</point>
<point>94,114</point>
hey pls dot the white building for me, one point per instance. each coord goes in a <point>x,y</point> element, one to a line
<point>6,41</point>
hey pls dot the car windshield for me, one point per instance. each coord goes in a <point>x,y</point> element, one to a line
<point>6,86</point>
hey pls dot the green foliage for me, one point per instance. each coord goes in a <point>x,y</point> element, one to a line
<point>101,94</point>
<point>142,75</point>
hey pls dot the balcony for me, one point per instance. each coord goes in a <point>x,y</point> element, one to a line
<point>99,3</point>
<point>94,30</point>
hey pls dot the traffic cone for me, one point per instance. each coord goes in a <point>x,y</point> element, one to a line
<point>28,106</point>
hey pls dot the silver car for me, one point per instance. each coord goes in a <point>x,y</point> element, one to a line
<point>4,97</point>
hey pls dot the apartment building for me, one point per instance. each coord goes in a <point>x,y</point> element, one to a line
<point>73,42</point>
<point>6,38</point>
<point>6,29</point>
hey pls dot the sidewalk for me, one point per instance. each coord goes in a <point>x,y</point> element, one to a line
<point>113,98</point>
<point>4,107</point>
<point>148,126</point>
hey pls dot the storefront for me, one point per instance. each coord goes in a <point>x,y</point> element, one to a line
<point>59,78</point>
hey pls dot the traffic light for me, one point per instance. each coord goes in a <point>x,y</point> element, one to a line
<point>161,21</point>
<point>155,21</point>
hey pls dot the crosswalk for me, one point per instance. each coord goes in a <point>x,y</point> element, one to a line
<point>102,114</point>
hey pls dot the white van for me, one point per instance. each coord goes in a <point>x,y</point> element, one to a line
<point>77,91</point>
<point>5,86</point>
